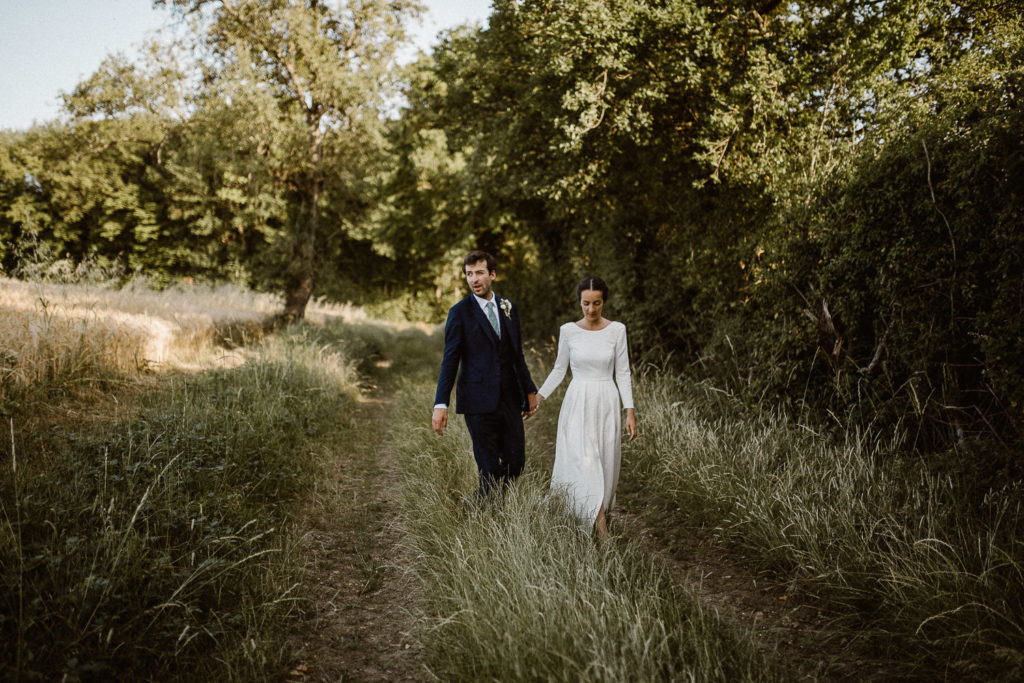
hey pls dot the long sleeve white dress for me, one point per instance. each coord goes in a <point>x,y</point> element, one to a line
<point>588,444</point>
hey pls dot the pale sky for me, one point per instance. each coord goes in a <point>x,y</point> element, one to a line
<point>49,46</point>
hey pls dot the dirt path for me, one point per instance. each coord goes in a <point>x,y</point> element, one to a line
<point>359,625</point>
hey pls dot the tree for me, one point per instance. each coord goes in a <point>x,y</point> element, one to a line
<point>84,189</point>
<point>108,185</point>
<point>306,84</point>
<point>729,165</point>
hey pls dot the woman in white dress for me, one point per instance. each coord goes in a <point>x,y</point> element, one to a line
<point>588,444</point>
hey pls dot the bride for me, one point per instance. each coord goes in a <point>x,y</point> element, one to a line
<point>588,444</point>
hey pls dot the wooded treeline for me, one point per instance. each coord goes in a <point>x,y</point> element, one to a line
<point>812,203</point>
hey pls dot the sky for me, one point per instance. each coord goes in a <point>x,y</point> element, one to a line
<point>49,46</point>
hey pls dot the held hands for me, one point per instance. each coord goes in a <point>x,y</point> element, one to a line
<point>440,420</point>
<point>533,401</point>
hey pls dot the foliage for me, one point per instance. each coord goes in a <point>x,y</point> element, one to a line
<point>309,127</point>
<point>635,138</point>
<point>914,249</point>
<point>804,201</point>
<point>730,166</point>
<point>245,153</point>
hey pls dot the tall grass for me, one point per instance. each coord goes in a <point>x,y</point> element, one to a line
<point>44,349</point>
<point>898,544</point>
<point>66,337</point>
<point>162,547</point>
<point>186,300</point>
<point>385,352</point>
<point>517,591</point>
<point>60,339</point>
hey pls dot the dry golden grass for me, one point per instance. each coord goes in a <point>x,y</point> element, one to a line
<point>79,335</point>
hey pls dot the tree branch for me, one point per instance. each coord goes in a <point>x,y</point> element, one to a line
<point>949,231</point>
<point>877,358</point>
<point>288,67</point>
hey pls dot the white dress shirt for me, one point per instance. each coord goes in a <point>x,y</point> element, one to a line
<point>483,307</point>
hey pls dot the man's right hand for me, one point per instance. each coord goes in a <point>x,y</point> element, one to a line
<point>440,421</point>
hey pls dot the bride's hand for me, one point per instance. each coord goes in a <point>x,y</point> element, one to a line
<point>631,424</point>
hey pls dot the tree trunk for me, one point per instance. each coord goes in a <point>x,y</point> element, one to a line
<point>296,296</point>
<point>301,270</point>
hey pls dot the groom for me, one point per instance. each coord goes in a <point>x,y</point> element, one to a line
<point>494,389</point>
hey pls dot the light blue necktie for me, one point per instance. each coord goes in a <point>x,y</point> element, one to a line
<point>493,317</point>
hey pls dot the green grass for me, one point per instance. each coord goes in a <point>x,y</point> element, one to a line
<point>163,546</point>
<point>936,580</point>
<point>516,591</point>
<point>385,352</point>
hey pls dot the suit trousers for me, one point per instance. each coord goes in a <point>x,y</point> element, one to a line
<point>499,441</point>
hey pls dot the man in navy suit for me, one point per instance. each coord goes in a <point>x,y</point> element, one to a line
<point>494,392</point>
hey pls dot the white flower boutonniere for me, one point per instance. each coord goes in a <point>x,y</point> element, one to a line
<point>506,306</point>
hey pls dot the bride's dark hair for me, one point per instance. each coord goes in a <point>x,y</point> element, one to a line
<point>594,283</point>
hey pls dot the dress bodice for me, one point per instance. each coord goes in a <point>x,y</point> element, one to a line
<point>593,356</point>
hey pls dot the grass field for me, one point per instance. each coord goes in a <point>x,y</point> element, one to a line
<point>161,450</point>
<point>933,581</point>
<point>517,591</point>
<point>154,540</point>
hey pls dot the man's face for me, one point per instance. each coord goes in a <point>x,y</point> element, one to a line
<point>480,279</point>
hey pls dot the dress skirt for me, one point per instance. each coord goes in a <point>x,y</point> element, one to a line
<point>587,450</point>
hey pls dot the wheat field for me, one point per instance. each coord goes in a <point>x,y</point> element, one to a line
<point>78,335</point>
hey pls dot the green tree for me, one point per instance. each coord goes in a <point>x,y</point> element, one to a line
<point>102,186</point>
<point>297,90</point>
<point>728,166</point>
<point>83,189</point>
<point>914,245</point>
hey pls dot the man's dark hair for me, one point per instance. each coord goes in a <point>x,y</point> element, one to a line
<point>594,283</point>
<point>476,256</point>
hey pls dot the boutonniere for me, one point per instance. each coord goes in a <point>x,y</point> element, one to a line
<point>506,306</point>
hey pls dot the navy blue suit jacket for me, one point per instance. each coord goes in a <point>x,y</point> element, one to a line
<point>470,341</point>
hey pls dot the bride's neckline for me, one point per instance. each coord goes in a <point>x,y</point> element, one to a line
<point>598,329</point>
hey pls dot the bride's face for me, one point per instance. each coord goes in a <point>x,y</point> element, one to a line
<point>592,303</point>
